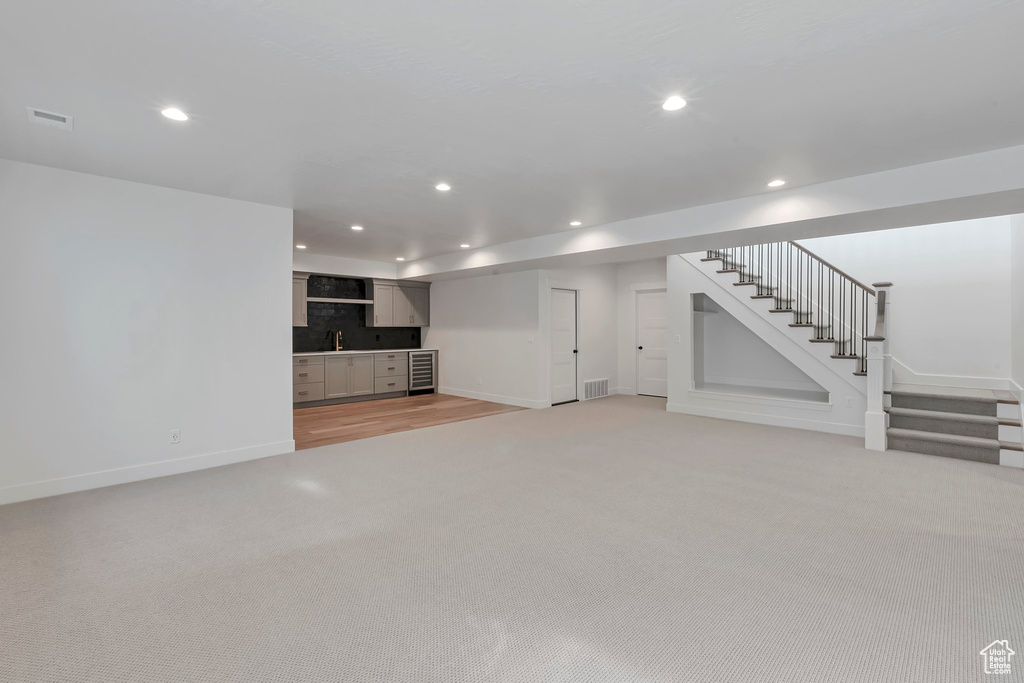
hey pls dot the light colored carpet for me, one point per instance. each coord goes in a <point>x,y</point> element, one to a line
<point>595,542</point>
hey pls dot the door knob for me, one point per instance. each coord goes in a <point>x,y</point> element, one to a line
<point>640,348</point>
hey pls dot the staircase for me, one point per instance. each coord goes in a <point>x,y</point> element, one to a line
<point>830,304</point>
<point>977,425</point>
<point>837,310</point>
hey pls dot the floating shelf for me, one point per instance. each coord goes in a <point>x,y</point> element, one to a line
<point>326,300</point>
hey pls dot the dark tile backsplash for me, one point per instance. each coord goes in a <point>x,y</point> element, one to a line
<point>323,319</point>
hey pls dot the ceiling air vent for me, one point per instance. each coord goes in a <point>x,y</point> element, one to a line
<point>49,118</point>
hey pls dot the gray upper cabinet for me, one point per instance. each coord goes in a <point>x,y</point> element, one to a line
<point>420,299</point>
<point>299,299</point>
<point>403,307</point>
<point>395,305</point>
<point>382,312</point>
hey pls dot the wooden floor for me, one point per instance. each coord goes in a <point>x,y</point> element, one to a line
<point>324,425</point>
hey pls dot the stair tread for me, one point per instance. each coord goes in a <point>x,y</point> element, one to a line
<point>940,415</point>
<point>956,439</point>
<point>948,397</point>
<point>1011,446</point>
<point>1004,396</point>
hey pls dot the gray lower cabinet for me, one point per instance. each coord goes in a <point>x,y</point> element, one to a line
<point>307,379</point>
<point>361,378</point>
<point>348,375</point>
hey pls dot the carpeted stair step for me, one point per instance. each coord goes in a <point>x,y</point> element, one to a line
<point>946,445</point>
<point>960,424</point>
<point>945,403</point>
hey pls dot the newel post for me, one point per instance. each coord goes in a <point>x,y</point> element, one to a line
<point>879,373</point>
<point>886,321</point>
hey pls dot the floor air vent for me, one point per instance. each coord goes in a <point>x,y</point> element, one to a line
<point>595,388</point>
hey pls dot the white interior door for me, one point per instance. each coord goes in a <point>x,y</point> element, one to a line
<point>652,343</point>
<point>563,345</point>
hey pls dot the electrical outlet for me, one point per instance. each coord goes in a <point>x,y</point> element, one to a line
<point>175,436</point>
<point>849,401</point>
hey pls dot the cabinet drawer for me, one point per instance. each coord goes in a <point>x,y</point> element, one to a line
<point>391,368</point>
<point>308,360</point>
<point>306,374</point>
<point>399,356</point>
<point>383,385</point>
<point>308,392</point>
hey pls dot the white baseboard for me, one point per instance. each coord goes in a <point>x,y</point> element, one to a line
<point>808,385</point>
<point>773,420</point>
<point>494,398</point>
<point>904,374</point>
<point>150,470</point>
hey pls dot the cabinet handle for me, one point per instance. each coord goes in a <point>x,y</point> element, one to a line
<point>303,393</point>
<point>391,384</point>
<point>390,368</point>
<point>303,374</point>
<point>303,360</point>
<point>376,318</point>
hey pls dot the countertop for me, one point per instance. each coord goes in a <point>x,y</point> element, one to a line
<point>347,351</point>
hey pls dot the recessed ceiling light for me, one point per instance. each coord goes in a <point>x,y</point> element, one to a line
<point>175,114</point>
<point>357,228</point>
<point>674,103</point>
<point>400,258</point>
<point>442,187</point>
<point>464,246</point>
<point>777,183</point>
<point>300,246</point>
<point>575,223</point>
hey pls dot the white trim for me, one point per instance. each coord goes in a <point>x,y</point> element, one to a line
<point>809,385</point>
<point>762,400</point>
<point>904,374</point>
<point>649,286</point>
<point>495,398</point>
<point>149,470</point>
<point>773,420</point>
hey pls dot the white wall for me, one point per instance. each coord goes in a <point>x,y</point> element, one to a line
<point>493,332</point>
<point>131,310</point>
<point>487,330</point>
<point>951,294</point>
<point>1017,300</point>
<point>630,278</point>
<point>732,354</point>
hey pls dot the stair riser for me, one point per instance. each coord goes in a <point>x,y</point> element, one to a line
<point>1008,410</point>
<point>959,452</point>
<point>1010,433</point>
<point>1011,458</point>
<point>923,424</point>
<point>946,405</point>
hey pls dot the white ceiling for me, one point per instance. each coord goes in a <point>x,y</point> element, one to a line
<point>537,112</point>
